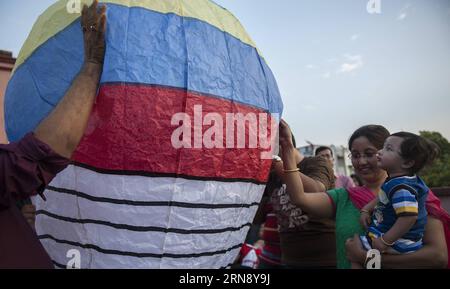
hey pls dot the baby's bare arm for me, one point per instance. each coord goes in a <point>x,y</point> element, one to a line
<point>400,228</point>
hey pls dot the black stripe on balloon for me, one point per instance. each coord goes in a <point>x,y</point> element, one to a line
<point>141,228</point>
<point>165,175</point>
<point>148,203</point>
<point>136,254</point>
<point>226,267</point>
<point>61,266</point>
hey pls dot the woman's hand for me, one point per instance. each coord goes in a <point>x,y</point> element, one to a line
<point>93,23</point>
<point>285,136</point>
<point>287,148</point>
<point>355,251</point>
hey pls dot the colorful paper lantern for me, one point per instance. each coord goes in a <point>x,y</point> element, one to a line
<point>131,199</point>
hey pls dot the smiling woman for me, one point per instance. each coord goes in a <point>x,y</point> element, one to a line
<point>344,204</point>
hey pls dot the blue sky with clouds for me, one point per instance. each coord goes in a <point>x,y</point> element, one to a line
<point>337,66</point>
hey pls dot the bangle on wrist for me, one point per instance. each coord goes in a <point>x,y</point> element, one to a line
<point>364,211</point>
<point>386,243</point>
<point>292,171</point>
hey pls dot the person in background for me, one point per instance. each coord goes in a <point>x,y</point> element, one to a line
<point>341,180</point>
<point>270,257</point>
<point>305,241</point>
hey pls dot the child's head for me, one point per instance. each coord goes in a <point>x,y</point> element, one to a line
<point>406,153</point>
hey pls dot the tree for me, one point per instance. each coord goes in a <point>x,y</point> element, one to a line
<point>438,174</point>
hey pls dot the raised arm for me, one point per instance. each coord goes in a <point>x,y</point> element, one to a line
<point>317,204</point>
<point>63,129</point>
<point>309,184</point>
<point>28,165</point>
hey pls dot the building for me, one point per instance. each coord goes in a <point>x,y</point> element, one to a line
<point>6,66</point>
<point>342,164</point>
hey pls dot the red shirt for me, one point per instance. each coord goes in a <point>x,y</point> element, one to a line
<point>26,167</point>
<point>271,251</point>
<point>246,259</point>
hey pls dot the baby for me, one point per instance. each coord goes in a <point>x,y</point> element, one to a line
<point>395,221</point>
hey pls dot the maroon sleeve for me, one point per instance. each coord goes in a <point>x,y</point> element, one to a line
<point>26,167</point>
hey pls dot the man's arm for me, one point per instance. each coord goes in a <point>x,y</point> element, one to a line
<point>29,165</point>
<point>63,129</point>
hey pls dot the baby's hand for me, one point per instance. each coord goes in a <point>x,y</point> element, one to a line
<point>379,245</point>
<point>365,219</point>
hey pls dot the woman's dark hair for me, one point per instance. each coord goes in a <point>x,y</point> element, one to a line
<point>376,134</point>
<point>418,149</point>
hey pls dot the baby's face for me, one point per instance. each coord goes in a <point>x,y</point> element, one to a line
<point>389,158</point>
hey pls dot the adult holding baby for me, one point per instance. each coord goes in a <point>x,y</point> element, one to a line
<point>344,205</point>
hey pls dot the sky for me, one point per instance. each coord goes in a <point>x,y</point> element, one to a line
<point>337,66</point>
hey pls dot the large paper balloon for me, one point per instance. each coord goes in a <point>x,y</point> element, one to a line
<point>133,196</point>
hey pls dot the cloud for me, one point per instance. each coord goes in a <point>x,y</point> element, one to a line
<point>352,63</point>
<point>401,16</point>
<point>310,66</point>
<point>326,75</point>
<point>404,12</point>
<point>354,37</point>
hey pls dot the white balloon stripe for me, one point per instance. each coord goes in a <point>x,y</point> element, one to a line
<point>139,244</point>
<point>157,189</point>
<point>91,258</point>
<point>163,222</point>
<point>183,219</point>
